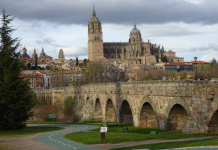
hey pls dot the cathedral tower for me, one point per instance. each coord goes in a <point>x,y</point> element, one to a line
<point>34,54</point>
<point>61,55</point>
<point>95,40</point>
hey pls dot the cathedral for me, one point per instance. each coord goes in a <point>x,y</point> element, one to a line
<point>135,48</point>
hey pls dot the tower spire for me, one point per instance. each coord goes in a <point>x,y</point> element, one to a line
<point>93,13</point>
<point>134,24</point>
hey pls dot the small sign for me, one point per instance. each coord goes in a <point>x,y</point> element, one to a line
<point>51,116</point>
<point>153,132</point>
<point>103,129</point>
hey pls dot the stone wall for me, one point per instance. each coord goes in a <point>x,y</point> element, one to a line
<point>169,105</point>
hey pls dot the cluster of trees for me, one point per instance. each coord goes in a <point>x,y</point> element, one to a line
<point>98,73</point>
<point>16,99</point>
<point>64,112</point>
<point>60,80</point>
<point>158,75</point>
<point>207,70</point>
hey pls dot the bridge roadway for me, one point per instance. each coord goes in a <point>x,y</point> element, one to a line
<point>56,140</point>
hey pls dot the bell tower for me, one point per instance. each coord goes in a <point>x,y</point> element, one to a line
<point>95,39</point>
<point>61,56</point>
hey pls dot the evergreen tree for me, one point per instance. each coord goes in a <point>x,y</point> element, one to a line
<point>77,62</point>
<point>85,62</point>
<point>36,59</point>
<point>16,100</point>
<point>157,59</point>
<point>213,62</point>
<point>164,58</point>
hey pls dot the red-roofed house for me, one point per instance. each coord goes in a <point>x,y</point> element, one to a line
<point>28,62</point>
<point>179,66</point>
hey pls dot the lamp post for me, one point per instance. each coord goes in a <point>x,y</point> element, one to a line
<point>196,65</point>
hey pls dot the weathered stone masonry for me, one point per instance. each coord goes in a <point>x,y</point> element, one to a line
<point>169,105</point>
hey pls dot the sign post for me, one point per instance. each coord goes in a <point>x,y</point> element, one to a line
<point>80,116</point>
<point>103,130</point>
<point>91,119</point>
<point>52,116</point>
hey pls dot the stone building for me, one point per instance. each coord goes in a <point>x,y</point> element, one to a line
<point>135,48</point>
<point>171,57</point>
<point>44,57</point>
<point>34,55</point>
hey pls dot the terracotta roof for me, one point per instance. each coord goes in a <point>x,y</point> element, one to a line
<point>51,72</point>
<point>40,62</point>
<point>41,72</point>
<point>177,63</point>
<point>36,74</point>
<point>200,62</point>
<point>26,59</point>
<point>22,76</point>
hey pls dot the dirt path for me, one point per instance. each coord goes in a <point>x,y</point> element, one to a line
<point>26,142</point>
<point>133,143</point>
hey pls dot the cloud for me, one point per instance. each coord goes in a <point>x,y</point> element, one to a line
<point>204,53</point>
<point>209,47</point>
<point>48,41</point>
<point>209,57</point>
<point>169,29</point>
<point>67,12</point>
<point>75,51</point>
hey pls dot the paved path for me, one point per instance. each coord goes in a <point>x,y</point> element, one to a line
<point>56,140</point>
<point>133,143</point>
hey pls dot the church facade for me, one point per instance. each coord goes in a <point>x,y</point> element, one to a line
<point>135,48</point>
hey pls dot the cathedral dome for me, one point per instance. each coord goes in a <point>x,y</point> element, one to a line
<point>135,30</point>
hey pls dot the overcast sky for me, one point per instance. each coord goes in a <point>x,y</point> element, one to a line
<point>188,27</point>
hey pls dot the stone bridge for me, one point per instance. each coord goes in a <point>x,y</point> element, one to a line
<point>190,106</point>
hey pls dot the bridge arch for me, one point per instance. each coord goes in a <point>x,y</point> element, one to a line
<point>126,113</point>
<point>176,114</point>
<point>98,115</point>
<point>110,111</point>
<point>147,113</point>
<point>87,98</point>
<point>212,126</point>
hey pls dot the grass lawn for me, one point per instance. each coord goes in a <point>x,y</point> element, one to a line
<point>115,135</point>
<point>28,130</point>
<point>172,145</point>
<point>45,122</point>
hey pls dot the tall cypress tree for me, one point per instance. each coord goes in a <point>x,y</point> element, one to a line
<point>16,100</point>
<point>77,62</point>
<point>36,59</point>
